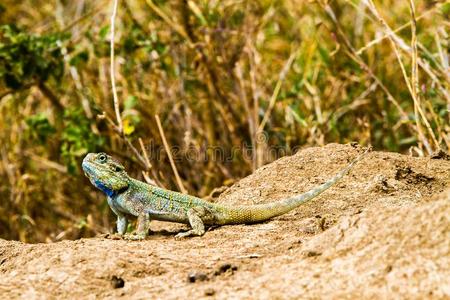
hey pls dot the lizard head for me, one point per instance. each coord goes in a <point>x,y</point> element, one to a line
<point>105,173</point>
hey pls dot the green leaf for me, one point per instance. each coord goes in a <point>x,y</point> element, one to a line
<point>39,127</point>
<point>79,58</point>
<point>77,139</point>
<point>297,117</point>
<point>103,32</point>
<point>130,102</point>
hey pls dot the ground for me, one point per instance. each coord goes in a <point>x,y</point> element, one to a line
<point>382,232</point>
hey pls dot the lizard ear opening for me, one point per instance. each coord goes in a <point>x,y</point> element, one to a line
<point>117,167</point>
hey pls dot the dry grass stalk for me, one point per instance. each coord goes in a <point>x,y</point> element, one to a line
<point>345,84</point>
<point>169,154</point>
<point>277,89</point>
<point>413,84</point>
<point>113,68</point>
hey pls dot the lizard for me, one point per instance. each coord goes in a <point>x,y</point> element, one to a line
<point>127,197</point>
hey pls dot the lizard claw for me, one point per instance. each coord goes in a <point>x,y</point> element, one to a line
<point>188,233</point>
<point>182,235</point>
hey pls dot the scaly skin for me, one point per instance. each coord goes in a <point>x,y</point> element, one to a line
<point>130,197</point>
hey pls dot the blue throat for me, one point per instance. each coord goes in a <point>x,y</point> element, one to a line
<point>104,188</point>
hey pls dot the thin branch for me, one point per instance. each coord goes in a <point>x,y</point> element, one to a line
<point>46,163</point>
<point>386,35</point>
<point>169,153</point>
<point>212,84</point>
<point>140,158</point>
<point>277,89</point>
<point>147,161</point>
<point>86,16</point>
<point>351,52</point>
<point>7,92</point>
<point>113,71</point>
<point>50,96</point>
<point>169,21</point>
<point>396,43</point>
<point>404,47</point>
<point>415,76</point>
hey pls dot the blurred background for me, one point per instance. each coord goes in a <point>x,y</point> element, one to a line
<point>235,85</point>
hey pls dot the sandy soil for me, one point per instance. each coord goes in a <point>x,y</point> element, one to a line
<point>382,233</point>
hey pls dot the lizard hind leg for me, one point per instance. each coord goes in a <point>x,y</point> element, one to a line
<point>197,216</point>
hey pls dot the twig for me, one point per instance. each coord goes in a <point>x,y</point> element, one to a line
<point>386,35</point>
<point>356,103</point>
<point>119,127</point>
<point>250,120</point>
<point>86,16</point>
<point>351,52</point>
<point>147,161</point>
<point>258,151</point>
<point>414,85</point>
<point>166,19</point>
<point>212,84</point>
<point>6,93</point>
<point>404,47</point>
<point>112,67</point>
<point>46,163</point>
<point>316,100</point>
<point>140,158</point>
<point>395,42</point>
<point>172,162</point>
<point>277,89</point>
<point>50,96</point>
<point>149,167</point>
<point>76,78</point>
<point>415,76</point>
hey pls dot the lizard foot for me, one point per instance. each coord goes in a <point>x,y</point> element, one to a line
<point>188,233</point>
<point>182,235</point>
<point>111,236</point>
<point>135,236</point>
<point>195,216</point>
<point>114,236</point>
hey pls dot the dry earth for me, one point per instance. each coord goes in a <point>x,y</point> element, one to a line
<point>382,233</point>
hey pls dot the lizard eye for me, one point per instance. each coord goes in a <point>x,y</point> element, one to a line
<point>102,158</point>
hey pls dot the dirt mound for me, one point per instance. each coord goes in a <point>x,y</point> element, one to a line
<point>382,232</point>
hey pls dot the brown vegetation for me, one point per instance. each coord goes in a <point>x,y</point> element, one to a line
<point>245,80</point>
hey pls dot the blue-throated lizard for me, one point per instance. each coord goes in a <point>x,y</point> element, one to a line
<point>131,197</point>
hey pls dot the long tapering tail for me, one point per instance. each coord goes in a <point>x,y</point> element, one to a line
<point>262,212</point>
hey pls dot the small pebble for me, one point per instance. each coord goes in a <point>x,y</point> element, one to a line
<point>210,292</point>
<point>311,253</point>
<point>197,276</point>
<point>117,282</point>
<point>224,268</point>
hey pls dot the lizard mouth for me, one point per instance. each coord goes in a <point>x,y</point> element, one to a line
<point>87,169</point>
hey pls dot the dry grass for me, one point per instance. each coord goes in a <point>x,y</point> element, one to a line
<point>271,75</point>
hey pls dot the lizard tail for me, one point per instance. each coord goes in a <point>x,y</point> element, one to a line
<point>262,212</point>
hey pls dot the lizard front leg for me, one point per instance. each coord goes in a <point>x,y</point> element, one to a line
<point>142,227</point>
<point>122,221</point>
<point>122,224</point>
